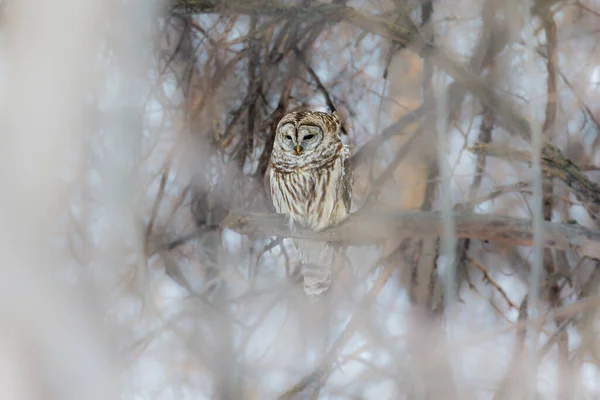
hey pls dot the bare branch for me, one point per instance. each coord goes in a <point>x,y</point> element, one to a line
<point>386,175</point>
<point>555,165</point>
<point>320,374</point>
<point>488,278</point>
<point>370,228</point>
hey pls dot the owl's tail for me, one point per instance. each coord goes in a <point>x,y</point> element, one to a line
<point>317,264</point>
<point>317,279</point>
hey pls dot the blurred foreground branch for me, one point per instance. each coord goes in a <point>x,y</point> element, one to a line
<point>371,228</point>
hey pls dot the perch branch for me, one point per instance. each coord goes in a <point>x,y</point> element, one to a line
<point>366,228</point>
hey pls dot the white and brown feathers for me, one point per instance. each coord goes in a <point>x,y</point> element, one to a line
<point>311,183</point>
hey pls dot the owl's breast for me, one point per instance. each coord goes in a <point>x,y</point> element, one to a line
<point>311,198</point>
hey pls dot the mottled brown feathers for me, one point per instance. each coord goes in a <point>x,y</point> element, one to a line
<point>311,183</point>
<point>312,188</point>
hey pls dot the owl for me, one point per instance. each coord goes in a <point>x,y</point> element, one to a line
<point>310,183</point>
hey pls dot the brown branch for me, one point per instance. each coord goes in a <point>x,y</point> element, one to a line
<point>549,201</point>
<point>519,187</point>
<point>319,84</point>
<point>173,244</point>
<point>485,136</point>
<point>561,336</point>
<point>489,279</point>
<point>551,66</point>
<point>157,202</point>
<point>369,228</point>
<point>254,87</point>
<point>581,102</point>
<point>501,151</point>
<point>555,165</point>
<point>514,374</point>
<point>279,112</point>
<point>551,39</point>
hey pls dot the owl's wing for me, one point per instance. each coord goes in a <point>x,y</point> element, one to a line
<point>347,182</point>
<point>267,188</point>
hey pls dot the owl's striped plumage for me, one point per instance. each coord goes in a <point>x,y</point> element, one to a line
<point>311,184</point>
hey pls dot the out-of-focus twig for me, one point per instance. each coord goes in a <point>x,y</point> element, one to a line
<point>184,239</point>
<point>320,374</point>
<point>320,85</point>
<point>565,321</point>
<point>284,97</point>
<point>518,187</point>
<point>398,128</point>
<point>157,202</point>
<point>485,137</point>
<point>548,202</point>
<point>488,279</point>
<point>554,165</point>
<point>513,378</point>
<point>379,183</point>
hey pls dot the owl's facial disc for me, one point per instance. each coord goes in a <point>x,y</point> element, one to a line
<point>287,137</point>
<point>309,137</point>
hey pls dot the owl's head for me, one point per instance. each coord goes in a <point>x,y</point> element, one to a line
<point>302,133</point>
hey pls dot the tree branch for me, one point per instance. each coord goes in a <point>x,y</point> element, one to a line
<point>365,228</point>
<point>555,165</point>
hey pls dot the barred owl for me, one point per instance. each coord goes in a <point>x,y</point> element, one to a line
<point>311,184</point>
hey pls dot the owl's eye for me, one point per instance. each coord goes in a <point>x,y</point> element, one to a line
<point>288,137</point>
<point>308,137</point>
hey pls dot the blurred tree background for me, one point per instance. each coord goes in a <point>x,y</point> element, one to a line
<point>145,129</point>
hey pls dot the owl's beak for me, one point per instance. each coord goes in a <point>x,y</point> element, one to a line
<point>298,149</point>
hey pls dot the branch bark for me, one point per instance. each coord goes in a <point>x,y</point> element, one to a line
<point>555,165</point>
<point>367,228</point>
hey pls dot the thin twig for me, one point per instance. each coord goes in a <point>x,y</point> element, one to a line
<point>320,85</point>
<point>555,165</point>
<point>488,279</point>
<point>320,374</point>
<point>157,201</point>
<point>379,183</point>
